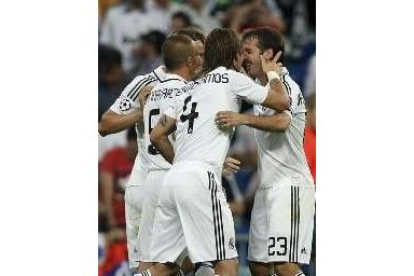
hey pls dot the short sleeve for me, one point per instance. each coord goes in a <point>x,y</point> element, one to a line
<point>245,88</point>
<point>172,109</point>
<point>128,101</point>
<point>124,105</point>
<point>297,102</point>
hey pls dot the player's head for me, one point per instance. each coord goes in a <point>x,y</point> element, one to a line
<point>178,52</point>
<point>199,38</point>
<point>110,65</point>
<point>311,111</point>
<point>151,44</point>
<point>180,20</point>
<point>260,41</point>
<point>222,48</point>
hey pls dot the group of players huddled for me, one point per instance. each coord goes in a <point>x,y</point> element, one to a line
<point>185,112</point>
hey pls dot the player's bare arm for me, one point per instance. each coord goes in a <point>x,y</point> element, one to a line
<point>112,122</point>
<point>277,98</point>
<point>159,137</point>
<point>272,123</point>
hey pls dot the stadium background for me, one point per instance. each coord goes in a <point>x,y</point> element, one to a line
<point>130,39</point>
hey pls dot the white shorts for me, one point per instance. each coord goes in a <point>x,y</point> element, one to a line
<point>192,212</point>
<point>282,224</point>
<point>153,185</point>
<point>134,198</point>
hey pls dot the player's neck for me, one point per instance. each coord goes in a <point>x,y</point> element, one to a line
<point>182,72</point>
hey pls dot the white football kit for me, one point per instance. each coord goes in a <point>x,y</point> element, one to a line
<point>135,192</point>
<point>192,210</point>
<point>282,218</point>
<point>158,101</point>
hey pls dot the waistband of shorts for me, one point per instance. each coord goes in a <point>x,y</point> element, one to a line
<point>204,165</point>
<point>157,171</point>
<point>138,172</point>
<point>154,174</point>
<point>286,181</point>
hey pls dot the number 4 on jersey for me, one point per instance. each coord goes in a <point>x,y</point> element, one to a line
<point>190,116</point>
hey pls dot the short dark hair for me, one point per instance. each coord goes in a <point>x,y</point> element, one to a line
<point>156,38</point>
<point>183,16</point>
<point>194,32</point>
<point>268,38</point>
<point>221,49</point>
<point>108,58</point>
<point>176,50</point>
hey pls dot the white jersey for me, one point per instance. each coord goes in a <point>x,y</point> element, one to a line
<point>161,97</point>
<point>281,155</point>
<point>128,102</point>
<point>197,136</point>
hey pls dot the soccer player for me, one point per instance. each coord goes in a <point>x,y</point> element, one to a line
<point>281,226</point>
<point>192,211</point>
<point>124,113</point>
<point>180,59</point>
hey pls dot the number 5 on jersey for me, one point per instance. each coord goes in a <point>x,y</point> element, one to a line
<point>153,112</point>
<point>190,116</point>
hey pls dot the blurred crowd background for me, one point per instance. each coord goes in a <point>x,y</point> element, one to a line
<point>131,33</point>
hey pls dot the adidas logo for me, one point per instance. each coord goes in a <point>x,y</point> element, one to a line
<point>232,243</point>
<point>303,251</point>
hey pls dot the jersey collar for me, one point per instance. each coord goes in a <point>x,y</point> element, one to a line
<point>159,73</point>
<point>285,71</point>
<point>174,76</point>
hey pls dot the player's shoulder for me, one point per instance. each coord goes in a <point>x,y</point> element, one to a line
<point>289,82</point>
<point>228,71</point>
<point>141,79</point>
<point>172,81</point>
<point>157,75</point>
<point>219,75</point>
<point>167,89</point>
<point>152,78</point>
<point>236,76</point>
<point>294,91</point>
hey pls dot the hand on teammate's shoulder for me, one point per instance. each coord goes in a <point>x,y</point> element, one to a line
<point>143,95</point>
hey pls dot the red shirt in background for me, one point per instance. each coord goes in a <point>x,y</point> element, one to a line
<point>116,254</point>
<point>117,163</point>
<point>310,150</point>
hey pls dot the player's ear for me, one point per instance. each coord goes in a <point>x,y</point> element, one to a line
<point>189,61</point>
<point>268,54</point>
